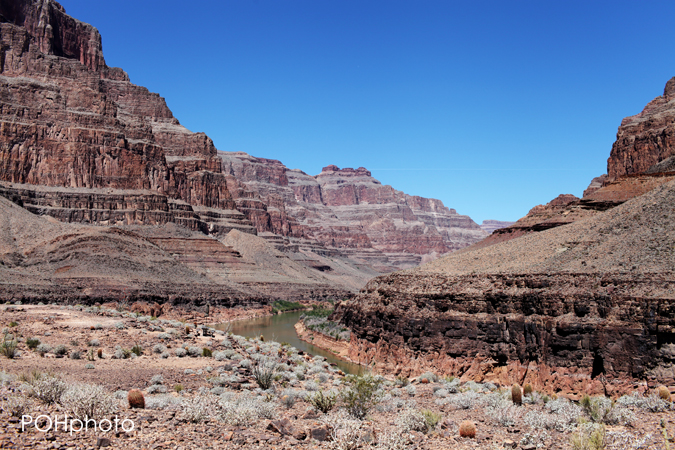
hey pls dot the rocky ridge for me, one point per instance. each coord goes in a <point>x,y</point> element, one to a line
<point>80,143</point>
<point>347,210</point>
<point>577,296</point>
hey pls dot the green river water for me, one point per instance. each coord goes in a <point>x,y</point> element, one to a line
<point>280,328</point>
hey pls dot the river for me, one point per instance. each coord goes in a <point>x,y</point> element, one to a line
<point>280,328</point>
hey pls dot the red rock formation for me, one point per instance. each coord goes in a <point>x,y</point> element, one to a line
<point>348,209</point>
<point>645,139</point>
<point>489,226</point>
<point>582,308</point>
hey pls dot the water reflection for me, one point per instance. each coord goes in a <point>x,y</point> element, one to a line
<point>280,328</point>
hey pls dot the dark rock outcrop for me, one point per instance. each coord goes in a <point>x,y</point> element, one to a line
<point>587,307</point>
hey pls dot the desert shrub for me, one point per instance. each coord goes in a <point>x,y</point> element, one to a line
<point>17,405</point>
<point>119,325</point>
<point>505,415</point>
<point>88,400</point>
<point>441,393</point>
<point>136,399</point>
<point>431,377</point>
<point>242,410</point>
<point>180,352</point>
<point>393,439</point>
<point>402,381</point>
<point>207,353</point>
<point>516,395</point>
<point>199,408</point>
<point>42,349</point>
<point>312,386</point>
<point>94,343</point>
<point>75,354</point>
<point>361,395</point>
<point>161,401</point>
<point>467,429</point>
<point>288,397</point>
<point>322,402</point>
<point>411,390</point>
<point>159,349</point>
<point>32,343</point>
<point>411,420</point>
<point>6,378</point>
<point>194,351</point>
<point>431,419</point>
<point>345,431</point>
<point>156,389</point>
<point>47,389</point>
<point>89,366</point>
<point>664,393</point>
<point>465,400</point>
<point>264,372</point>
<point>527,389</point>
<point>157,379</point>
<point>588,436</point>
<point>8,346</point>
<point>137,350</point>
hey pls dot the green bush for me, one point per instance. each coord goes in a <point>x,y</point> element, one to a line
<point>8,347</point>
<point>207,353</point>
<point>137,349</point>
<point>431,418</point>
<point>589,436</point>
<point>263,373</point>
<point>322,402</point>
<point>32,343</point>
<point>284,305</point>
<point>361,395</point>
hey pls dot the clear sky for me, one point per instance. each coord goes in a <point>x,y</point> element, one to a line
<point>491,106</point>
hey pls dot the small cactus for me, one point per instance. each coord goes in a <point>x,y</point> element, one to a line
<point>516,395</point>
<point>467,429</point>
<point>187,330</point>
<point>136,399</point>
<point>527,389</point>
<point>99,353</point>
<point>664,393</point>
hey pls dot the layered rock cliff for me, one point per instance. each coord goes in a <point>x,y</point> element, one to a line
<point>645,139</point>
<point>82,144</point>
<point>587,307</point>
<point>576,297</point>
<point>348,210</point>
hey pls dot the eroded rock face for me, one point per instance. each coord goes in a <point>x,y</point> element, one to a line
<point>645,139</point>
<point>67,120</point>
<point>583,308</point>
<point>349,210</point>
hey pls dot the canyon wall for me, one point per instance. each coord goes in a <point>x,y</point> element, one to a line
<point>576,297</point>
<point>348,210</point>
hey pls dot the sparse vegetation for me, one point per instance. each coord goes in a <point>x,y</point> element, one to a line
<point>323,402</point>
<point>361,395</point>
<point>285,306</point>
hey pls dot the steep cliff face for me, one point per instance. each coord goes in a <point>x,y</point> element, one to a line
<point>645,139</point>
<point>586,307</point>
<point>80,143</point>
<point>68,120</point>
<point>576,297</point>
<point>349,210</point>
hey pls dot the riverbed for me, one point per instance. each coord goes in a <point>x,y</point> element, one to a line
<point>280,328</point>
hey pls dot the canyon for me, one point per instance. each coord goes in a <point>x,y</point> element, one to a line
<point>577,297</point>
<point>81,144</point>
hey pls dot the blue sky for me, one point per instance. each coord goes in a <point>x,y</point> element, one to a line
<point>491,106</point>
